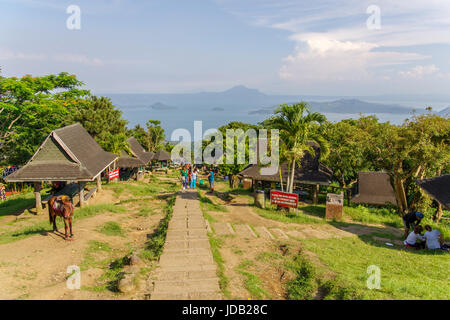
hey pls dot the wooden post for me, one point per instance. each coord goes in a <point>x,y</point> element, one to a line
<point>315,194</point>
<point>81,193</point>
<point>37,196</point>
<point>99,183</point>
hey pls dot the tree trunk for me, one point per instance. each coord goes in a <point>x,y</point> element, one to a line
<point>438,214</point>
<point>291,186</point>
<point>37,196</point>
<point>281,178</point>
<point>288,182</point>
<point>400,194</point>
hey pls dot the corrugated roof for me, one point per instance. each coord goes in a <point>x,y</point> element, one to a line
<point>438,188</point>
<point>68,153</point>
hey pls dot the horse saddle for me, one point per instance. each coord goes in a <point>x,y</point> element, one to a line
<point>58,207</point>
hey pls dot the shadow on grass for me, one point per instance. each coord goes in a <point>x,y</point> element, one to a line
<point>368,233</point>
<point>15,207</point>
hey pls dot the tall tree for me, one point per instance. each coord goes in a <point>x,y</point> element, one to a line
<point>31,107</point>
<point>231,170</point>
<point>103,122</point>
<point>155,135</point>
<point>297,126</point>
<point>140,134</point>
<point>349,156</point>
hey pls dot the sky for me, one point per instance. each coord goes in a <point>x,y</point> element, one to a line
<point>321,47</point>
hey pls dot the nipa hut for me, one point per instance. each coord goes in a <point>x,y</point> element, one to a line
<point>138,150</point>
<point>374,188</point>
<point>310,172</point>
<point>130,166</point>
<point>68,154</point>
<point>162,157</point>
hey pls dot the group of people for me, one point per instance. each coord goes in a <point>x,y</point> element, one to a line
<point>190,174</point>
<point>432,239</point>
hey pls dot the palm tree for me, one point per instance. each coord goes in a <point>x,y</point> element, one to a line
<point>296,124</point>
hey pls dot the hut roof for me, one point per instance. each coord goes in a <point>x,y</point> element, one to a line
<point>129,162</point>
<point>374,188</point>
<point>302,175</point>
<point>161,155</point>
<point>438,188</point>
<point>139,151</point>
<point>68,153</point>
<point>309,172</point>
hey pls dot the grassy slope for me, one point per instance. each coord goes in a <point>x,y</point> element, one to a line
<point>405,274</point>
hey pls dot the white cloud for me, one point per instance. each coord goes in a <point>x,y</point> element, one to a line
<point>418,72</point>
<point>11,55</point>
<point>77,58</point>
<point>333,43</point>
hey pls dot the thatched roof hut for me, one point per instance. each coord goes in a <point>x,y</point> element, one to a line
<point>67,154</point>
<point>374,188</point>
<point>438,188</point>
<point>139,151</point>
<point>310,171</point>
<point>161,155</point>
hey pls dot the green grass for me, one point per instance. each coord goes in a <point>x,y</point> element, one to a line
<point>109,280</point>
<point>405,274</point>
<point>154,246</point>
<point>252,282</point>
<point>112,228</point>
<point>304,284</point>
<point>208,205</point>
<point>44,226</point>
<point>17,203</point>
<point>215,244</point>
<point>285,216</point>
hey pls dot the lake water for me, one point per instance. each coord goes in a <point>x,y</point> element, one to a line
<point>184,118</point>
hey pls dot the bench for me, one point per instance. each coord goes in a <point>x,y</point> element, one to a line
<point>70,190</point>
<point>90,194</point>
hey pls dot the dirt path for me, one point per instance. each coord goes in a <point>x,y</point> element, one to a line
<point>186,267</point>
<point>36,267</point>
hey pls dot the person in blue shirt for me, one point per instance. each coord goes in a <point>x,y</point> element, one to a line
<point>211,180</point>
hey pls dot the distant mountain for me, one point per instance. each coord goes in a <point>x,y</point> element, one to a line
<point>347,106</point>
<point>445,112</point>
<point>161,106</point>
<point>253,102</point>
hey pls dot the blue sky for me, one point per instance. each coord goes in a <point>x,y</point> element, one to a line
<point>291,47</point>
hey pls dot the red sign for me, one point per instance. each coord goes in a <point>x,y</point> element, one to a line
<point>284,199</point>
<point>113,174</point>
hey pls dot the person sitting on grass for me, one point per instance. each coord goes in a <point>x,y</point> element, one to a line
<point>411,240</point>
<point>411,219</point>
<point>435,240</point>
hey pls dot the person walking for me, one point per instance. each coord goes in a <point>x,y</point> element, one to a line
<point>211,180</point>
<point>183,173</point>
<point>194,178</point>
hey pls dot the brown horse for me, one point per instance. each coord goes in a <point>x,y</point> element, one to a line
<point>61,206</point>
